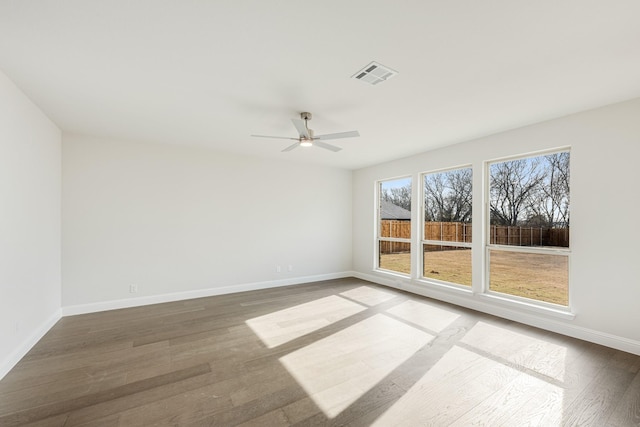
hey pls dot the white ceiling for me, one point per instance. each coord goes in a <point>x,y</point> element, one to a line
<point>210,73</point>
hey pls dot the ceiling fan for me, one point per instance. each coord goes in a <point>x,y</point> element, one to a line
<point>307,138</point>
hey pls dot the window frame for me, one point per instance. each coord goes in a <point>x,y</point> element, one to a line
<point>488,246</point>
<point>378,228</point>
<point>423,222</point>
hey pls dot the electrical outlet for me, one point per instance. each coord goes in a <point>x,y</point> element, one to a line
<point>278,269</point>
<point>16,326</point>
<point>290,268</point>
<point>133,289</point>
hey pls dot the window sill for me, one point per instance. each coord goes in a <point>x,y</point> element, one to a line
<point>392,273</point>
<point>445,286</point>
<point>404,281</point>
<point>532,307</point>
<point>499,300</point>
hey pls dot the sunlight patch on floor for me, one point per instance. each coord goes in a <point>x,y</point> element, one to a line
<point>368,296</point>
<point>285,325</point>
<point>424,315</point>
<point>464,388</point>
<point>523,350</point>
<point>339,369</point>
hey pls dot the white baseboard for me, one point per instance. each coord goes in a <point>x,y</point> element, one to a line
<point>200,293</point>
<point>550,322</point>
<point>10,361</point>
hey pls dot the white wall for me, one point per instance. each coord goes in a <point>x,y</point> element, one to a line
<point>30,149</point>
<point>182,222</point>
<point>605,197</point>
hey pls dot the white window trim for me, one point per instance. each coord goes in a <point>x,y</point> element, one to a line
<point>428,280</point>
<point>530,305</point>
<point>394,239</point>
<point>530,249</point>
<point>514,300</point>
<point>447,243</point>
<point>378,231</point>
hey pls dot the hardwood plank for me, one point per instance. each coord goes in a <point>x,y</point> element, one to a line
<point>108,421</point>
<point>68,405</point>
<point>458,382</point>
<point>195,404</point>
<point>627,412</point>
<point>55,421</point>
<point>340,352</point>
<point>217,384</point>
<point>370,405</point>
<point>253,409</point>
<point>301,410</point>
<point>273,418</point>
<point>24,399</point>
<point>499,408</point>
<point>595,405</point>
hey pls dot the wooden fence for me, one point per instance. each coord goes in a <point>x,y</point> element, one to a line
<point>395,228</point>
<point>529,236</point>
<point>461,232</point>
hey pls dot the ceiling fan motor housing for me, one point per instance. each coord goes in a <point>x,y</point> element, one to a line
<point>307,138</point>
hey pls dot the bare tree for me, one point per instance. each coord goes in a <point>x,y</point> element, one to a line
<point>399,196</point>
<point>513,188</point>
<point>531,191</point>
<point>551,202</point>
<point>448,195</point>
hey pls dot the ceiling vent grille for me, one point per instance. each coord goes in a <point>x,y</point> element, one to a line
<point>374,73</point>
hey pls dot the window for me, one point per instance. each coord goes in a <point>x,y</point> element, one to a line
<point>446,243</point>
<point>528,233</point>
<point>394,225</point>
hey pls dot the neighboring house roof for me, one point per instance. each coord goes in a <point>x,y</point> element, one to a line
<point>390,211</point>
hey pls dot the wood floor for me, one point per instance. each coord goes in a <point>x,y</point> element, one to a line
<point>342,352</point>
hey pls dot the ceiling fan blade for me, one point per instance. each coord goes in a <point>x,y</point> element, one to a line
<point>274,137</point>
<point>291,147</point>
<point>338,135</point>
<point>326,146</point>
<point>302,128</point>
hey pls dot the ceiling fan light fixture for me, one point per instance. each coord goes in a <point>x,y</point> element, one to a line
<point>307,138</point>
<point>307,142</point>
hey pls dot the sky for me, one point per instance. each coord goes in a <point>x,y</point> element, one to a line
<point>395,183</point>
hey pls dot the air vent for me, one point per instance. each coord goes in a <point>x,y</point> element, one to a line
<point>374,73</point>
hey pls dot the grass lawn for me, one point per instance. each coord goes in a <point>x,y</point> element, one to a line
<point>451,266</point>
<point>536,276</point>
<point>400,262</point>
